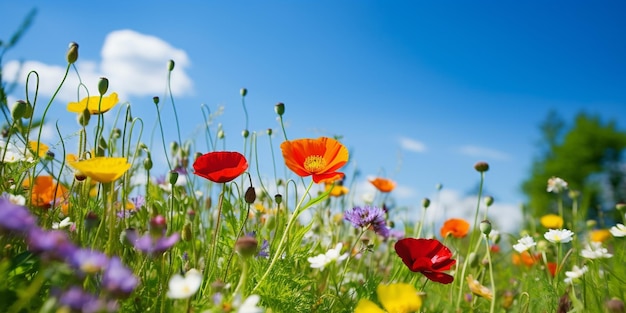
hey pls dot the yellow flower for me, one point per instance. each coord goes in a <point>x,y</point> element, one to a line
<point>478,289</point>
<point>102,169</point>
<point>395,298</point>
<point>337,190</point>
<point>93,104</point>
<point>599,235</point>
<point>552,221</point>
<point>42,148</point>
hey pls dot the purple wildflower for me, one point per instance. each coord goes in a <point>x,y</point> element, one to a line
<point>118,279</point>
<point>15,218</point>
<point>76,299</point>
<point>89,261</point>
<point>150,244</point>
<point>366,217</point>
<point>264,251</point>
<point>54,244</point>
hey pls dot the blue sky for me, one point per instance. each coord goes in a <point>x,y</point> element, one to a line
<point>419,90</point>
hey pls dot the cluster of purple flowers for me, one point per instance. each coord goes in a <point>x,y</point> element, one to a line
<point>366,217</point>
<point>117,281</point>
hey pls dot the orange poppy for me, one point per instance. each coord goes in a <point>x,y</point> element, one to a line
<point>320,157</point>
<point>524,258</point>
<point>44,191</point>
<point>220,166</point>
<point>456,227</point>
<point>383,184</point>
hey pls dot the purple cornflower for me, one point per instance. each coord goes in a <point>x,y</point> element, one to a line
<point>15,218</point>
<point>89,261</point>
<point>367,217</point>
<point>264,251</point>
<point>76,299</point>
<point>54,244</point>
<point>150,244</point>
<point>118,279</point>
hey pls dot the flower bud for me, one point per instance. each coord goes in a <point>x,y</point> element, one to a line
<point>439,186</point>
<point>269,131</point>
<point>243,92</point>
<point>278,198</point>
<point>174,147</point>
<point>170,65</point>
<point>79,176</point>
<point>186,234</point>
<point>250,196</point>
<point>245,133</point>
<point>615,305</point>
<point>481,166</point>
<point>485,227</point>
<point>246,246</point>
<point>488,201</point>
<point>155,99</point>
<point>103,85</point>
<point>102,143</point>
<point>425,203</point>
<point>220,134</point>
<point>147,163</point>
<point>158,225</point>
<point>19,109</point>
<point>279,108</point>
<point>83,118</point>
<point>173,177</point>
<point>117,133</point>
<point>72,53</point>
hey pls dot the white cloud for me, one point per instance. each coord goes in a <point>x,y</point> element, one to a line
<point>482,152</point>
<point>134,63</point>
<point>505,217</point>
<point>411,144</point>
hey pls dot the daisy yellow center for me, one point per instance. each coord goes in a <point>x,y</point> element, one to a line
<point>314,163</point>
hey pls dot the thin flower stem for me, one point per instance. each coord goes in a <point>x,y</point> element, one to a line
<point>282,241</point>
<point>491,278</point>
<point>169,90</point>
<point>472,239</point>
<point>163,137</point>
<point>216,232</point>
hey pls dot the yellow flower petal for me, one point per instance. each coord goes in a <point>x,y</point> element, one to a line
<point>478,289</point>
<point>102,169</point>
<point>93,104</point>
<point>367,306</point>
<point>552,221</point>
<point>43,148</point>
<point>399,298</point>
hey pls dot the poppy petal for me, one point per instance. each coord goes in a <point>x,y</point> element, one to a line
<point>439,277</point>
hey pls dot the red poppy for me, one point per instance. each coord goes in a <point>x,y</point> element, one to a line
<point>427,256</point>
<point>552,268</point>
<point>220,166</point>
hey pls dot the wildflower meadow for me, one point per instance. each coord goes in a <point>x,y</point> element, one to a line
<point>100,228</point>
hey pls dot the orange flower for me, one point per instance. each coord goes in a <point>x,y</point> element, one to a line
<point>456,227</point>
<point>383,184</point>
<point>320,157</point>
<point>45,191</point>
<point>524,258</point>
<point>599,235</point>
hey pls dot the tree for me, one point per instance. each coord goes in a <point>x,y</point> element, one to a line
<point>590,156</point>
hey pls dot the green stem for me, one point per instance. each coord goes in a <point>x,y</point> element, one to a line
<point>282,241</point>
<point>492,280</point>
<point>472,239</point>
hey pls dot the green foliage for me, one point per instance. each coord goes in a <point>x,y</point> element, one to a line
<point>589,155</point>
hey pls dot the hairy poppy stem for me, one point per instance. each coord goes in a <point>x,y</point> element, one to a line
<point>217,228</point>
